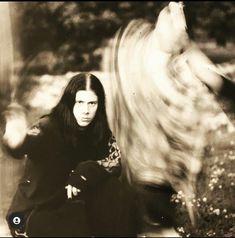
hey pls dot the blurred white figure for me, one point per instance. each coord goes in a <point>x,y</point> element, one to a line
<point>157,103</point>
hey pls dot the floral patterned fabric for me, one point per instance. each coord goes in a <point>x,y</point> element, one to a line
<point>113,160</point>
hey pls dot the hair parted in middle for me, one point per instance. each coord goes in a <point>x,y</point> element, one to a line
<point>63,111</point>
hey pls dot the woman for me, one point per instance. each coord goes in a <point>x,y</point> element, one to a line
<point>70,185</point>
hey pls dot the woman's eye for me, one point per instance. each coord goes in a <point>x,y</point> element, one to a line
<point>93,103</point>
<point>79,102</point>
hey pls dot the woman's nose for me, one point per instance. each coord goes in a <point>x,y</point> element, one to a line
<point>86,108</point>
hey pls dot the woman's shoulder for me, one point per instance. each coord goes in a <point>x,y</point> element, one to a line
<point>44,124</point>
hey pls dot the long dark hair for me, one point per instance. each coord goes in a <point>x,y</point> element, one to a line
<point>63,111</point>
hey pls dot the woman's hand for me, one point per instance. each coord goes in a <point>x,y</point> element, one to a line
<point>72,191</point>
<point>16,125</point>
<point>87,175</point>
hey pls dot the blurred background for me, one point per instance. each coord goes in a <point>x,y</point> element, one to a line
<point>53,40</point>
<point>57,37</point>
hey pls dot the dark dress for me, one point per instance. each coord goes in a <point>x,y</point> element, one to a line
<point>104,207</point>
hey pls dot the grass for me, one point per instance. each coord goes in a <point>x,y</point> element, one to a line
<point>215,188</point>
<point>215,192</point>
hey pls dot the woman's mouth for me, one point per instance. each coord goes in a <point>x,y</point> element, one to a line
<point>85,119</point>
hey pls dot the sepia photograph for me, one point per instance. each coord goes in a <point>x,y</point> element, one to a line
<point>117,119</point>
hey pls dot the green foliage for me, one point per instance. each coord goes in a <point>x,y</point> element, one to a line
<point>57,37</point>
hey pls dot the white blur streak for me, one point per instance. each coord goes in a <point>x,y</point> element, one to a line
<point>16,125</point>
<point>15,117</point>
<point>6,49</point>
<point>156,104</point>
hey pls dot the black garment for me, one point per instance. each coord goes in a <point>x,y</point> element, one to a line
<point>108,210</point>
<point>51,165</point>
<point>156,205</point>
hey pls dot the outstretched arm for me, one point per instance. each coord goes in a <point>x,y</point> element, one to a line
<point>18,140</point>
<point>209,74</point>
<point>16,126</point>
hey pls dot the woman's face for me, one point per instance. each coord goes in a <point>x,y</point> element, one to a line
<point>85,107</point>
